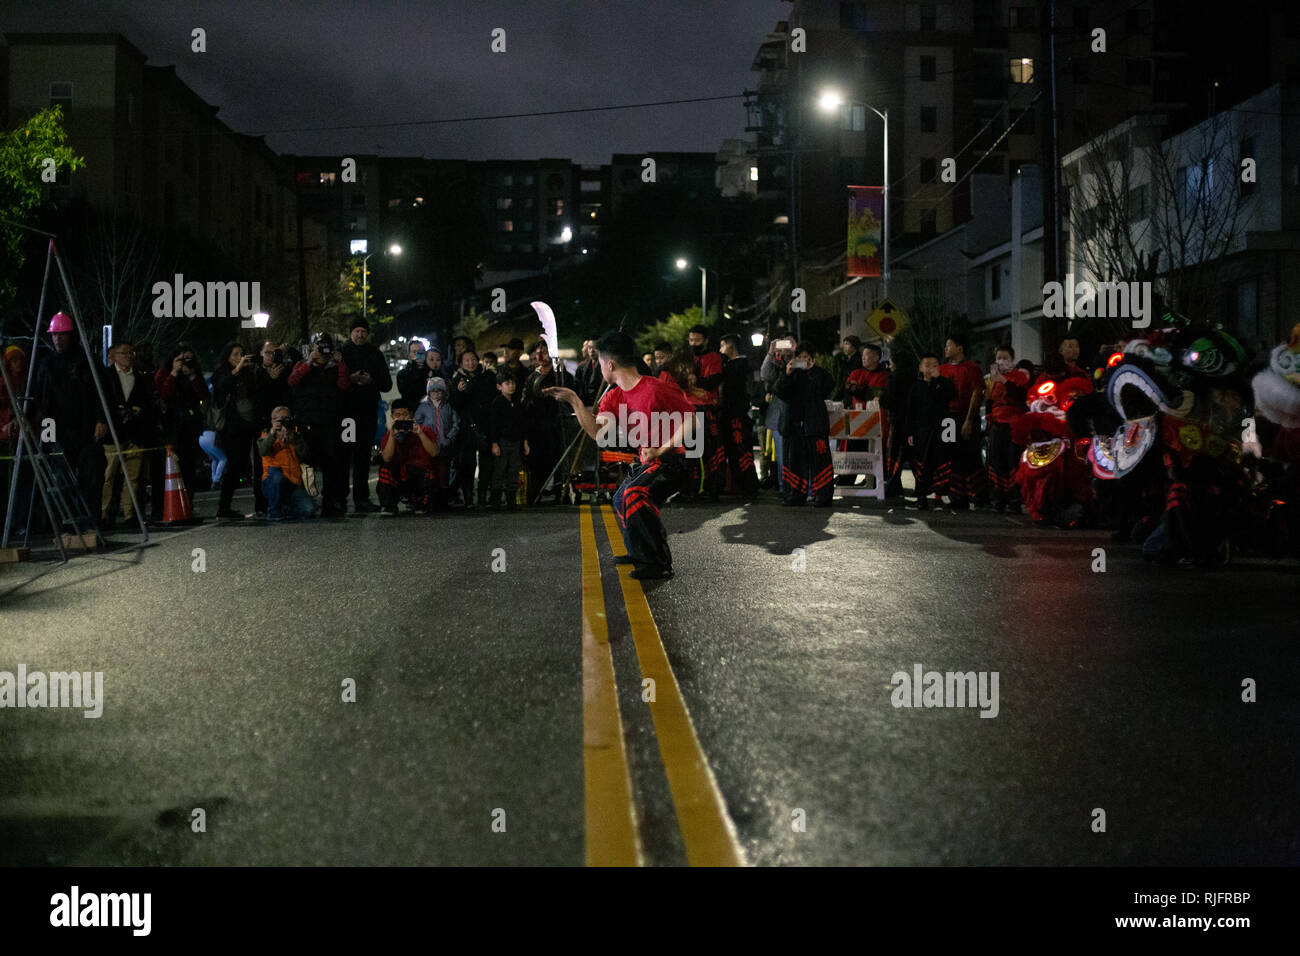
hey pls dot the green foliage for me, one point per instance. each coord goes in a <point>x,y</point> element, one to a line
<point>23,151</point>
<point>474,324</point>
<point>675,328</point>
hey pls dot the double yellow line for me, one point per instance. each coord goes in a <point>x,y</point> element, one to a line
<point>612,836</point>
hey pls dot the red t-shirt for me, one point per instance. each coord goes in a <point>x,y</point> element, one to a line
<point>967,379</point>
<point>1004,408</point>
<point>860,380</point>
<point>411,451</point>
<point>707,366</point>
<point>650,395</point>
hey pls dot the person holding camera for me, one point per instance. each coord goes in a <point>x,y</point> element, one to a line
<point>319,383</point>
<point>413,378</point>
<point>130,398</point>
<point>369,376</point>
<point>184,395</point>
<point>281,448</point>
<point>408,452</point>
<point>471,395</point>
<point>272,392</point>
<point>235,384</point>
<point>805,387</point>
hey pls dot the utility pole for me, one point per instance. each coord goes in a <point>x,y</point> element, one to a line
<point>1053,329</point>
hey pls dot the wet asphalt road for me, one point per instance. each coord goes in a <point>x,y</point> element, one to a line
<point>1118,691</point>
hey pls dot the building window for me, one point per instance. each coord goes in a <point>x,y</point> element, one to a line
<point>395,204</point>
<point>928,119</point>
<point>853,117</point>
<point>61,94</point>
<point>327,179</point>
<point>557,207</point>
<point>928,24</point>
<point>928,168</point>
<point>526,180</point>
<point>1021,18</point>
<point>1248,152</point>
<point>927,69</point>
<point>590,186</point>
<point>1139,202</point>
<point>928,222</point>
<point>504,202</point>
<point>528,225</point>
<point>853,16</point>
<point>507,180</point>
<point>1022,69</point>
<point>506,225</point>
<point>1194,182</point>
<point>995,281</point>
<point>1137,72</point>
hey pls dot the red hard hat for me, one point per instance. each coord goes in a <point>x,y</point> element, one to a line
<point>60,322</point>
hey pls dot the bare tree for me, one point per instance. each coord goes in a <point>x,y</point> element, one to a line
<point>1148,208</point>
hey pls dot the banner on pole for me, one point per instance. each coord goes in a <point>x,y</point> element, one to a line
<point>866,214</point>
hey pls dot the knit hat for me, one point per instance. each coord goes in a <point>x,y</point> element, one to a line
<point>516,343</point>
<point>359,323</point>
<point>9,352</point>
<point>436,383</point>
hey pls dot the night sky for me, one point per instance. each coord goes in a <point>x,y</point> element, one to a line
<point>278,67</point>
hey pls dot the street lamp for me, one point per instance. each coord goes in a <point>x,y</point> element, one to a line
<point>682,266</point>
<point>829,102</point>
<point>393,250</point>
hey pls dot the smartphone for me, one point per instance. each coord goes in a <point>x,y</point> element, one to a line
<point>785,345</point>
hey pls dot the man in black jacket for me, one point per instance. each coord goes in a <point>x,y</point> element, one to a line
<point>733,407</point>
<point>369,377</point>
<point>134,409</point>
<point>65,392</point>
<point>319,384</point>
<point>413,379</point>
<point>805,387</point>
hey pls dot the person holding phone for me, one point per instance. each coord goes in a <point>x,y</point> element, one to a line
<point>235,384</point>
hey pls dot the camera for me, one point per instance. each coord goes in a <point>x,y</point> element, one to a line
<point>288,424</point>
<point>403,425</point>
<point>277,357</point>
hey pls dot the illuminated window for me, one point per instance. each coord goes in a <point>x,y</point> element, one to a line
<point>506,226</point>
<point>1022,69</point>
<point>505,202</point>
<point>327,179</point>
<point>753,176</point>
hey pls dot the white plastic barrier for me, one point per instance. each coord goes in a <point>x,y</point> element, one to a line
<point>859,425</point>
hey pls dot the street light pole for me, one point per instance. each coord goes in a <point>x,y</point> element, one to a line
<point>704,289</point>
<point>365,284</point>
<point>831,100</point>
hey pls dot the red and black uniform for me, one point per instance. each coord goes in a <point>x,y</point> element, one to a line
<point>649,485</point>
<point>807,468</point>
<point>407,475</point>
<point>1006,406</point>
<point>928,405</point>
<point>737,428</point>
<point>965,478</point>
<point>861,387</point>
<point>708,379</point>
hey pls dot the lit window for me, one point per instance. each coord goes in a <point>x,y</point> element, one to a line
<point>327,179</point>
<point>753,175</point>
<point>1022,69</point>
<point>506,226</point>
<point>61,94</point>
<point>505,202</point>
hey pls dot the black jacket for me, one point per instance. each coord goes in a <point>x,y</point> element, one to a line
<point>135,416</point>
<point>65,392</point>
<point>271,394</point>
<point>927,407</point>
<point>506,420</point>
<point>736,379</point>
<point>587,382</point>
<point>806,392</point>
<point>473,403</point>
<point>317,396</point>
<point>412,381</point>
<point>366,358</point>
<point>238,395</point>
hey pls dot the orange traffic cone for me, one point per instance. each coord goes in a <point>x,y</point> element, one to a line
<point>176,500</point>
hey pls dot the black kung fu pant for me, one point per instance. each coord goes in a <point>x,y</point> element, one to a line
<point>739,437</point>
<point>636,505</point>
<point>807,467</point>
<point>1004,459</point>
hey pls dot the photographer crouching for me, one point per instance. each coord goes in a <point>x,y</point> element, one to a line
<point>408,452</point>
<point>282,447</point>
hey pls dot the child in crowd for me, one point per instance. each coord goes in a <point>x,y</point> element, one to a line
<point>506,434</point>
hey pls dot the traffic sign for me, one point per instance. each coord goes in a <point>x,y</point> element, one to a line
<point>887,320</point>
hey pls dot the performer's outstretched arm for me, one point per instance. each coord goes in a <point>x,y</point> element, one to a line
<point>580,411</point>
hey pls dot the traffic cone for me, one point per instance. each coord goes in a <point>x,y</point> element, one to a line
<point>176,500</point>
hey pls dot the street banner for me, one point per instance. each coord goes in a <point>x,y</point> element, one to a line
<point>866,213</point>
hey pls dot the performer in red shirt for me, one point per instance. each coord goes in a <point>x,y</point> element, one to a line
<point>708,381</point>
<point>1008,390</point>
<point>966,477</point>
<point>659,421</point>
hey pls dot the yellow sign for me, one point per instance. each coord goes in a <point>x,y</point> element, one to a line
<point>887,320</point>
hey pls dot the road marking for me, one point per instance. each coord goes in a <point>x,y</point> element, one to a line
<point>707,828</point>
<point>612,838</point>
